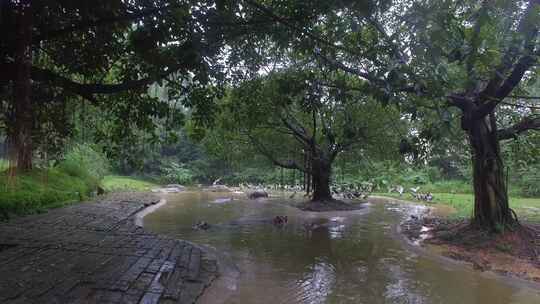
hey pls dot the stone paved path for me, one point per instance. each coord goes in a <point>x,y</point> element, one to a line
<point>94,253</point>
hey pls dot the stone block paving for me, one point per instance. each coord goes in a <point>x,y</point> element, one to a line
<point>94,253</point>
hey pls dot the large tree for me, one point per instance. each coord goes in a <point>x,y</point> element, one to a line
<point>482,57</point>
<point>435,55</point>
<point>302,120</point>
<point>57,51</point>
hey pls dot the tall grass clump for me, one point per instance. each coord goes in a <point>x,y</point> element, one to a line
<point>74,178</point>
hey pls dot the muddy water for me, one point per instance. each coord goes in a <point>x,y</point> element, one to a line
<point>333,257</point>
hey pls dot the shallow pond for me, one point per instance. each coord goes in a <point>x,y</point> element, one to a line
<point>330,257</point>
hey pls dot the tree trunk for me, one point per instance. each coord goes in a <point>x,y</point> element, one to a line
<point>322,170</point>
<point>281,180</point>
<point>491,209</point>
<point>21,131</point>
<point>304,181</point>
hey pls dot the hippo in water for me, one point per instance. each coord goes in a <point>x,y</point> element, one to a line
<point>280,220</point>
<point>201,225</point>
<point>257,194</point>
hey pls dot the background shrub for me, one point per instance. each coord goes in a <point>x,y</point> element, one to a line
<point>174,172</point>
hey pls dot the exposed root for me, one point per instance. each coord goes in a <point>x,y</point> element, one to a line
<point>515,217</point>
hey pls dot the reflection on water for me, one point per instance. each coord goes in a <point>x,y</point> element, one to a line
<point>316,284</point>
<point>331,257</point>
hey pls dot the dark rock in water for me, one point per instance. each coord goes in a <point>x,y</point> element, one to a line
<point>280,220</point>
<point>257,194</point>
<point>100,191</point>
<point>201,225</point>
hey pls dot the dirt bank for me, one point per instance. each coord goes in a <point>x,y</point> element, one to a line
<point>511,253</point>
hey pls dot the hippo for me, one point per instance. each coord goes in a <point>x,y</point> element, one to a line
<point>257,194</point>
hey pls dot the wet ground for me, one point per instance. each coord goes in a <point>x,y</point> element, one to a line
<point>330,257</point>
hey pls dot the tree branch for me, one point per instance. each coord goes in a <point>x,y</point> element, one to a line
<point>378,82</point>
<point>84,90</point>
<point>523,97</point>
<point>327,130</point>
<point>265,10</point>
<point>289,164</point>
<point>498,87</point>
<point>47,35</point>
<point>297,130</point>
<point>527,123</point>
<point>518,71</point>
<point>475,41</point>
<point>395,49</point>
<point>462,102</point>
<point>522,66</point>
<point>520,105</point>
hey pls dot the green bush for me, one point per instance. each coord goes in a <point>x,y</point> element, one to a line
<point>112,183</point>
<point>384,175</point>
<point>433,173</point>
<point>42,189</point>
<point>74,178</point>
<point>530,182</point>
<point>251,176</point>
<point>177,173</point>
<point>4,164</point>
<point>448,186</point>
<point>414,177</point>
<point>203,171</point>
<point>85,161</point>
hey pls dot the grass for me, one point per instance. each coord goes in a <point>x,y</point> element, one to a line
<point>457,187</point>
<point>113,183</point>
<point>447,186</point>
<point>526,208</point>
<point>42,189</point>
<point>3,164</point>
